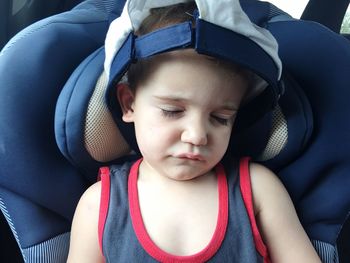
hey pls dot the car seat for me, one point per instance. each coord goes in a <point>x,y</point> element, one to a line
<point>35,193</point>
<point>55,130</point>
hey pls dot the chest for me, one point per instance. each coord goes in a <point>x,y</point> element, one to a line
<point>179,221</point>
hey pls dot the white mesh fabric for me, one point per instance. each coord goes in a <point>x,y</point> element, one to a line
<point>102,138</point>
<point>278,136</point>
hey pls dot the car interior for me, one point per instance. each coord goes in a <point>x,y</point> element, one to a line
<point>52,139</point>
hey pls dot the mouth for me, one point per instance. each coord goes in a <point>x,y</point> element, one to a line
<point>191,156</point>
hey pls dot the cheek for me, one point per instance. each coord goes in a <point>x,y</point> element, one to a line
<point>154,137</point>
<point>222,139</point>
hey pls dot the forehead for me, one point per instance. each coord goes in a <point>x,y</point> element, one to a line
<point>186,73</point>
<point>196,63</point>
<point>189,54</point>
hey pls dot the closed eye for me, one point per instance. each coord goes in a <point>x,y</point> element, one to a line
<point>171,113</point>
<point>223,120</point>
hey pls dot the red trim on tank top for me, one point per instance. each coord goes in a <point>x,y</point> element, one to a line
<point>246,190</point>
<point>151,248</point>
<point>104,176</point>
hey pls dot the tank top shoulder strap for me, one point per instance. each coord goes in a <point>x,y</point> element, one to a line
<point>104,177</point>
<point>246,190</point>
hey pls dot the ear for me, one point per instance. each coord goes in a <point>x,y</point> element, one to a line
<point>126,100</point>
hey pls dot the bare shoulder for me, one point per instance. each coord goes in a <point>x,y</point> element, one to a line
<point>85,227</point>
<point>89,202</point>
<point>277,219</point>
<point>265,185</point>
<point>91,197</point>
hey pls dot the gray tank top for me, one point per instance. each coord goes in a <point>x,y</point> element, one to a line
<point>123,237</point>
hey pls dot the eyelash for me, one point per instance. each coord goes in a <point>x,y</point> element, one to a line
<point>171,113</point>
<point>175,113</point>
<point>221,121</point>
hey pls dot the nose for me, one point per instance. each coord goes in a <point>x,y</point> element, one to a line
<point>195,133</point>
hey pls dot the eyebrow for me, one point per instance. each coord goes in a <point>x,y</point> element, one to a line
<point>172,98</point>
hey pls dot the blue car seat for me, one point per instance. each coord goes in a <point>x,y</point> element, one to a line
<point>55,130</point>
<point>34,195</point>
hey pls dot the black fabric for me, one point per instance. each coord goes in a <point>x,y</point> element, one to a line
<point>16,15</point>
<point>9,249</point>
<point>326,12</point>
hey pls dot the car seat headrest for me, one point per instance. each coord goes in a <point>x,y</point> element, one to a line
<point>101,132</point>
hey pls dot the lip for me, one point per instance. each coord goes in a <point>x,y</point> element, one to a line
<point>191,156</point>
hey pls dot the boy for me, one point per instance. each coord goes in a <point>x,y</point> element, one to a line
<point>178,203</point>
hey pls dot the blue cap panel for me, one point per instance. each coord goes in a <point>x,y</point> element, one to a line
<point>165,39</point>
<point>222,43</point>
<point>122,60</point>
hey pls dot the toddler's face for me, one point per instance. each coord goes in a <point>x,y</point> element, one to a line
<point>184,113</point>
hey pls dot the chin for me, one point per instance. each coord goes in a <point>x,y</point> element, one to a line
<point>185,173</point>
